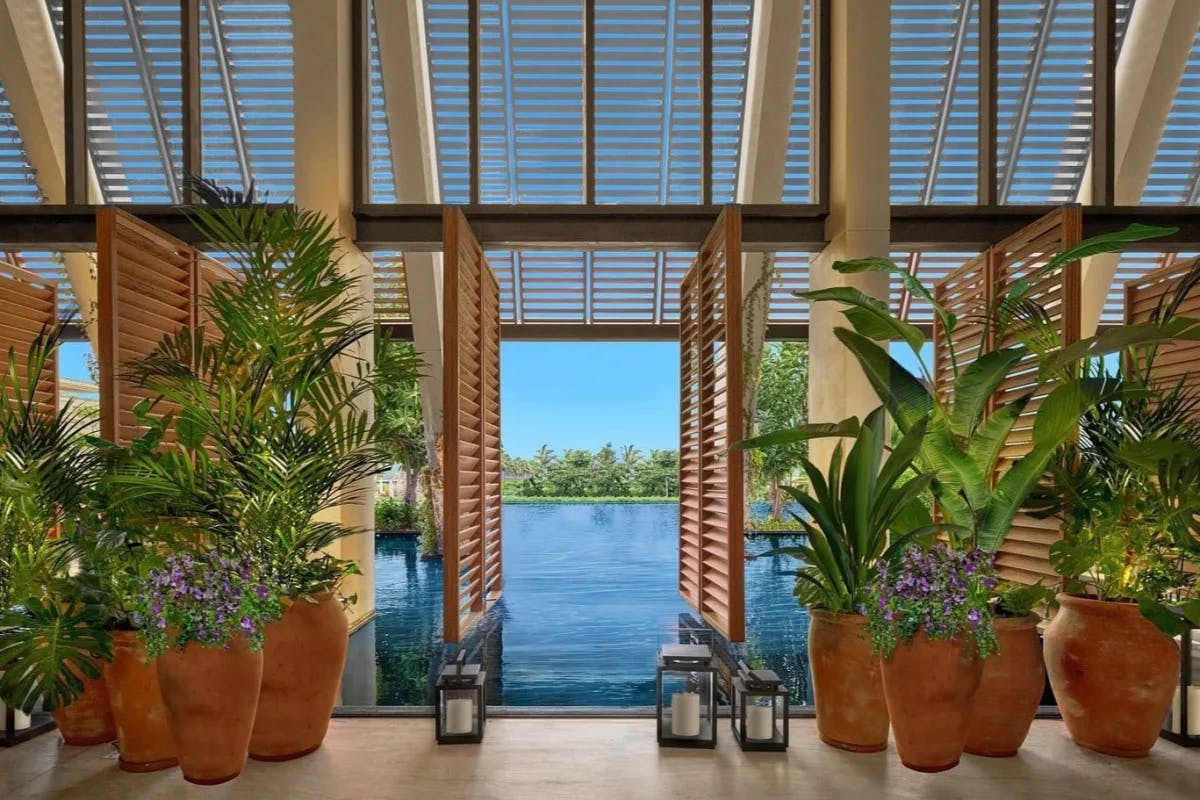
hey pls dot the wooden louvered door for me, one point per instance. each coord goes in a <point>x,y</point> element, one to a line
<point>711,502</point>
<point>970,292</point>
<point>1144,300</point>
<point>471,542</point>
<point>147,286</point>
<point>28,306</point>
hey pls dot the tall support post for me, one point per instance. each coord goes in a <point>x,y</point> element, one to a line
<point>404,62</point>
<point>1104,71</point>
<point>325,183</point>
<point>859,215</point>
<point>74,32</point>
<point>189,24</point>
<point>32,72</point>
<point>1154,55</point>
<point>706,100</point>
<point>474,98</point>
<point>989,70</point>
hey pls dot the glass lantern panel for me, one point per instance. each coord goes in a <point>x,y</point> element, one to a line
<point>460,712</point>
<point>763,712</point>
<point>686,699</point>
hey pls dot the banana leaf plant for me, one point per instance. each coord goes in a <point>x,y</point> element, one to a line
<point>865,507</point>
<point>49,638</point>
<point>266,407</point>
<point>975,488</point>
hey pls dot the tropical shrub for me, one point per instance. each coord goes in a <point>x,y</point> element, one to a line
<point>393,514</point>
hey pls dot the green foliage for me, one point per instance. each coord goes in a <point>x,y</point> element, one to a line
<point>583,474</point>
<point>399,420</point>
<point>974,489</point>
<point>270,418</point>
<point>1020,599</point>
<point>393,514</point>
<point>781,404</point>
<point>46,647</point>
<point>426,522</point>
<point>862,513</point>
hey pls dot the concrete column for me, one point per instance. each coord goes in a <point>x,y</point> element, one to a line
<point>405,67</point>
<point>322,39</point>
<point>1153,58</point>
<point>859,223</point>
<point>31,70</point>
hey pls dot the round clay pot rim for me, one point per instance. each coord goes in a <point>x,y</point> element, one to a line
<point>838,617</point>
<point>1030,620</point>
<point>1088,601</point>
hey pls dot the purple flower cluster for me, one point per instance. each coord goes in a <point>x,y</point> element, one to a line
<point>205,598</point>
<point>938,591</point>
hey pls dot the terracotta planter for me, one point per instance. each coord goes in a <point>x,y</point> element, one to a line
<point>143,738</point>
<point>847,684</point>
<point>89,719</point>
<point>211,694</point>
<point>1011,688</point>
<point>930,685</point>
<point>303,659</point>
<point>1113,673</point>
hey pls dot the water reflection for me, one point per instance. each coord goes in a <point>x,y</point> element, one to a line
<point>589,597</point>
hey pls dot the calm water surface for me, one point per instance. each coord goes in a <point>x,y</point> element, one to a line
<point>589,597</point>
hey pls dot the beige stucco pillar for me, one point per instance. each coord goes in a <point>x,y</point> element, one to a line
<point>859,215</point>
<point>322,32</point>
<point>31,71</point>
<point>1158,43</point>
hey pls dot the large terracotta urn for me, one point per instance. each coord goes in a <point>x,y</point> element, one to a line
<point>211,695</point>
<point>847,683</point>
<point>143,739</point>
<point>1113,674</point>
<point>303,658</point>
<point>89,719</point>
<point>1010,690</point>
<point>930,686</point>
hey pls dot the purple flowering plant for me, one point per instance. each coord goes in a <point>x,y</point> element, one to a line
<point>207,598</point>
<point>939,591</point>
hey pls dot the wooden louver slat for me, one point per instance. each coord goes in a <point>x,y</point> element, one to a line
<point>471,543</point>
<point>1179,361</point>
<point>711,520</point>
<point>28,306</point>
<point>970,292</point>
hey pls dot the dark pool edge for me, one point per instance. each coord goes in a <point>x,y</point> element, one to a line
<point>569,712</point>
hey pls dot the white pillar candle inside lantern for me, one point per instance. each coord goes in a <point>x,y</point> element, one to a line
<point>685,714</point>
<point>760,722</point>
<point>21,720</point>
<point>1193,695</point>
<point>460,713</point>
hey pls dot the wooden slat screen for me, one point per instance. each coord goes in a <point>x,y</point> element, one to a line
<point>471,541</point>
<point>711,502</point>
<point>147,287</point>
<point>28,305</point>
<point>974,287</point>
<point>209,272</point>
<point>1143,297</point>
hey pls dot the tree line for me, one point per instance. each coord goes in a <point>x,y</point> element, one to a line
<point>606,472</point>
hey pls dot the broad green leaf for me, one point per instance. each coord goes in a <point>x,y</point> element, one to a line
<point>1163,617</point>
<point>911,283</point>
<point>869,316</point>
<point>801,433</point>
<point>976,384</point>
<point>906,398</point>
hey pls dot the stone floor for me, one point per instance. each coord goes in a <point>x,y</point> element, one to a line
<point>580,759</point>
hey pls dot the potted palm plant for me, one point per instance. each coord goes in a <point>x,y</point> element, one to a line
<point>1128,494</point>
<point>974,488</point>
<point>867,505</point>
<point>50,641</point>
<point>272,430</point>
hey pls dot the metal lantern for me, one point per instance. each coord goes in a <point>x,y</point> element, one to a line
<point>17,727</point>
<point>760,710</point>
<point>687,696</point>
<point>461,702</point>
<point>1183,724</point>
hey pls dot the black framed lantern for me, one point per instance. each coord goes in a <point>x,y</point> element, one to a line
<point>760,710</point>
<point>686,696</point>
<point>1183,723</point>
<point>461,702</point>
<point>17,727</point>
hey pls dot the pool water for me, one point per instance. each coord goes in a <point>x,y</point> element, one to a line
<point>589,597</point>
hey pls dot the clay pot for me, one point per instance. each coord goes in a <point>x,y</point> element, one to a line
<point>211,694</point>
<point>143,738</point>
<point>1011,688</point>
<point>1113,673</point>
<point>930,685</point>
<point>303,658</point>
<point>89,719</point>
<point>847,684</point>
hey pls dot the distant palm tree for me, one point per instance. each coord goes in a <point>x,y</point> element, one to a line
<point>543,458</point>
<point>630,456</point>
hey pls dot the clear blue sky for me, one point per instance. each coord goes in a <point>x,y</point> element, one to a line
<point>584,394</point>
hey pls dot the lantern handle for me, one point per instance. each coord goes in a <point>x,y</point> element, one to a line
<point>743,669</point>
<point>460,661</point>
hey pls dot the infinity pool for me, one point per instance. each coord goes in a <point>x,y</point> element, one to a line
<point>589,597</point>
